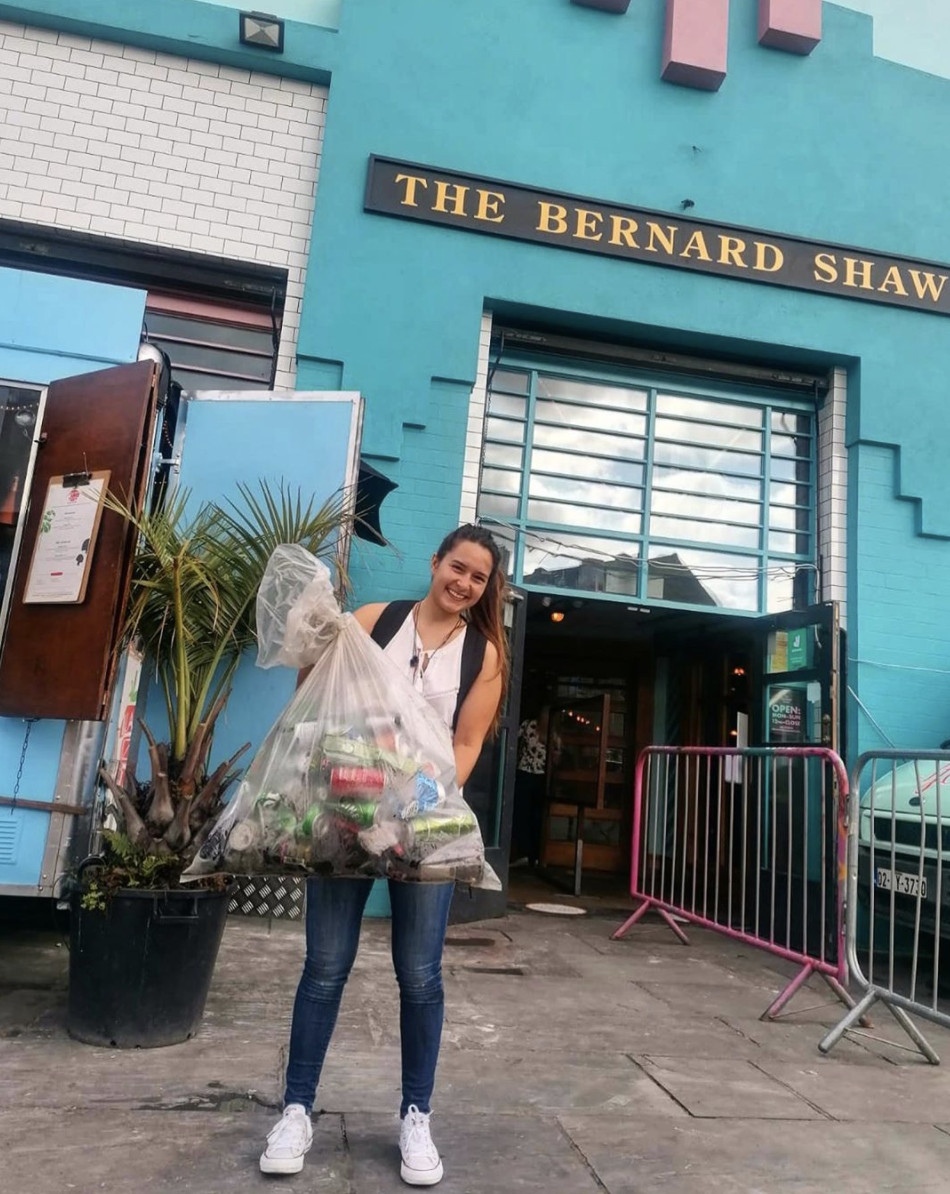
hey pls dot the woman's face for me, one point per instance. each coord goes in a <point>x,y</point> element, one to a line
<point>460,577</point>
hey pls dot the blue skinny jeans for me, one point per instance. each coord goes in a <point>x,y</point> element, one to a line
<point>420,916</point>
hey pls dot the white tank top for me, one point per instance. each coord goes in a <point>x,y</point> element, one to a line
<point>440,683</point>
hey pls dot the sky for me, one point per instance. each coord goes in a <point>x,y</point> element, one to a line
<point>913,32</point>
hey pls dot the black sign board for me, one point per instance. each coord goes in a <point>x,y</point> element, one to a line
<point>787,714</point>
<point>517,212</point>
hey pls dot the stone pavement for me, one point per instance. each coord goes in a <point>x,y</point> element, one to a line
<point>571,1064</point>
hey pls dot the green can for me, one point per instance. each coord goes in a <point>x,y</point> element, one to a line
<point>360,812</point>
<point>432,829</point>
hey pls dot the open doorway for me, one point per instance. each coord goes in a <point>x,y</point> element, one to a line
<point>601,681</point>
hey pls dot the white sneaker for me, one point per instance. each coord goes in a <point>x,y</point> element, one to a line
<point>421,1165</point>
<point>288,1142</point>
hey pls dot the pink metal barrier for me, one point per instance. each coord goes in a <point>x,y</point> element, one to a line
<point>751,843</point>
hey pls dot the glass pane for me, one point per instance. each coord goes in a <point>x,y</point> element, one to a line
<point>791,445</point>
<point>588,441</point>
<point>788,493</point>
<point>707,433</point>
<point>510,379</point>
<point>192,381</point>
<point>207,332</point>
<point>501,507</point>
<point>503,454</point>
<point>790,470</point>
<point>608,469</point>
<point>780,593</point>
<point>565,415</point>
<point>597,830</point>
<point>705,532</point>
<point>689,505</point>
<point>787,542</point>
<point>711,459</point>
<point>694,577</point>
<point>562,829</point>
<point>596,519</point>
<point>594,493</point>
<point>788,518</point>
<point>223,361</point>
<point>579,562</point>
<point>19,407</point>
<point>790,422</point>
<point>504,404</point>
<point>591,394</point>
<point>706,408</point>
<point>505,430</point>
<point>501,479</point>
<point>714,484</point>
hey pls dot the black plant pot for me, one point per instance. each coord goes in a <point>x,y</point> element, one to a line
<point>139,972</point>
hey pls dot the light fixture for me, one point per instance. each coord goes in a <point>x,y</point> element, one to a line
<point>557,615</point>
<point>262,31</point>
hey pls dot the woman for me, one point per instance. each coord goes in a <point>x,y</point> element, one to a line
<point>435,641</point>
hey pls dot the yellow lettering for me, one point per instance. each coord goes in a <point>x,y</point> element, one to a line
<point>587,221</point>
<point>826,267</point>
<point>696,246</point>
<point>666,237</point>
<point>929,286</point>
<point>551,217</point>
<point>858,273</point>
<point>622,229</point>
<point>893,281</point>
<point>769,258</point>
<point>488,204</point>
<point>447,192</point>
<point>731,249</point>
<point>411,181</point>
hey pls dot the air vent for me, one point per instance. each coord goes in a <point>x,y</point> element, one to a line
<point>9,839</point>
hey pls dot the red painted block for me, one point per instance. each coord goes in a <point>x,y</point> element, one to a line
<point>696,43</point>
<point>791,25</point>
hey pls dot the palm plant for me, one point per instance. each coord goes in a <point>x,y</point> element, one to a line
<point>192,612</point>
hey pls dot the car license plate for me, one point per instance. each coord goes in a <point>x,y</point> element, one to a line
<point>902,882</point>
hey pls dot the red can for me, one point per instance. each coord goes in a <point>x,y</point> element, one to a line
<point>351,781</point>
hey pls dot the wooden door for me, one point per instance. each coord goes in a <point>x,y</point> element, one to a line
<point>58,661</point>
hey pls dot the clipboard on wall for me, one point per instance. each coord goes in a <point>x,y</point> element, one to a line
<point>66,539</point>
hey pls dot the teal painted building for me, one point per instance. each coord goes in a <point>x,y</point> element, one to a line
<point>682,344</point>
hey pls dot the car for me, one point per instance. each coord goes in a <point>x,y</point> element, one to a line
<point>904,843</point>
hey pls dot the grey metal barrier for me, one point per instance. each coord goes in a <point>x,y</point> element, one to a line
<point>897,915</point>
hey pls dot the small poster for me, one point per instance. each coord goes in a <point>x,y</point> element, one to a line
<point>66,539</point>
<point>787,709</point>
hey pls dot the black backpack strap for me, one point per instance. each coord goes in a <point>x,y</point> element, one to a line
<point>390,619</point>
<point>473,659</point>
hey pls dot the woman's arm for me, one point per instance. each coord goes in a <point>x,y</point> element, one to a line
<point>367,616</point>
<point>476,715</point>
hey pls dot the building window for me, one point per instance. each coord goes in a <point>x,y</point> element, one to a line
<point>213,346</point>
<point>651,492</point>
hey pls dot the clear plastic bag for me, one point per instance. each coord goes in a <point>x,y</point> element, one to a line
<point>357,777</point>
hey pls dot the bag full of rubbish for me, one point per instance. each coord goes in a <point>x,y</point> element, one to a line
<point>357,777</point>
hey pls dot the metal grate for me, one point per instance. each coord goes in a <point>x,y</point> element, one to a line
<point>9,840</point>
<point>281,896</point>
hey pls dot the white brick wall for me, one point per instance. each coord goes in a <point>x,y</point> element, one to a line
<point>475,429</point>
<point>833,495</point>
<point>146,147</point>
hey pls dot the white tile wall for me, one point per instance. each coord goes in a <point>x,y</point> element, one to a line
<point>146,147</point>
<point>471,467</point>
<point>833,494</point>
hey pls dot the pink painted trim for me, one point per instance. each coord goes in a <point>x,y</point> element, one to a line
<point>790,25</point>
<point>696,43</point>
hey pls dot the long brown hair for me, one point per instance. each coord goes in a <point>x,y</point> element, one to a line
<point>486,615</point>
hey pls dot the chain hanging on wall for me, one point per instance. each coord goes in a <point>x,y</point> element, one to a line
<point>30,723</point>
